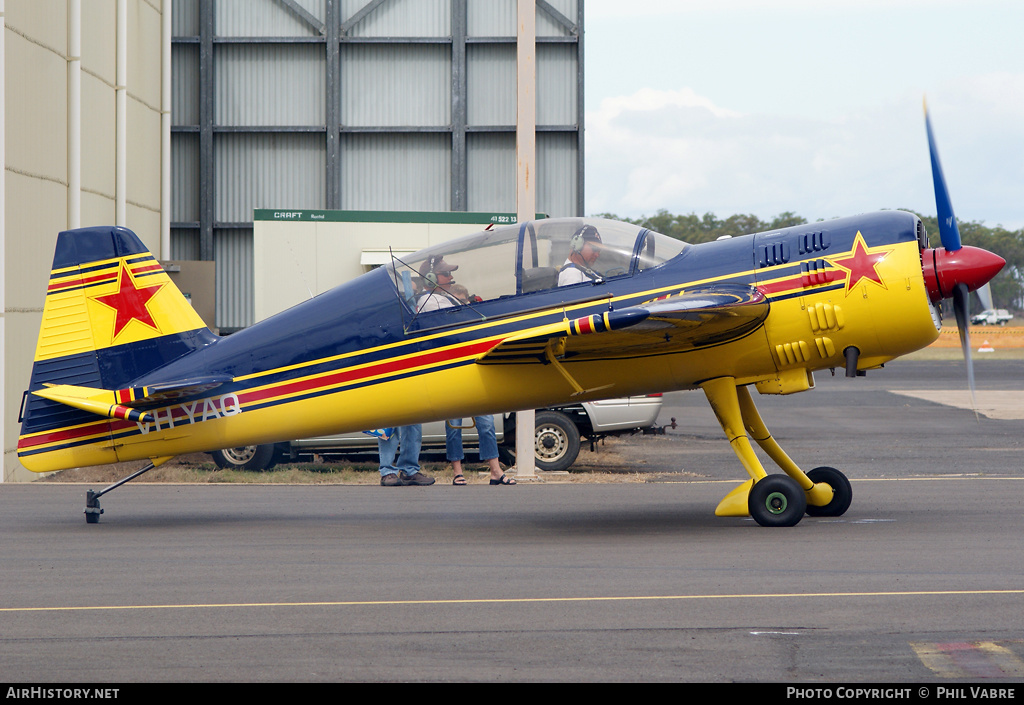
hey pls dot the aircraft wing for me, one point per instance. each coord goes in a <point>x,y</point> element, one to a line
<point>693,318</point>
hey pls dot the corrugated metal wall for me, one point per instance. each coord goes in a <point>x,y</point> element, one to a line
<point>260,18</point>
<point>267,170</point>
<point>269,85</point>
<point>497,18</point>
<point>396,171</point>
<point>491,78</point>
<point>401,18</point>
<point>396,85</point>
<point>233,253</point>
<point>355,104</point>
<point>184,179</point>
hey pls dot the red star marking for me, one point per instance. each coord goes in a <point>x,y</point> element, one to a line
<point>130,302</point>
<point>861,264</point>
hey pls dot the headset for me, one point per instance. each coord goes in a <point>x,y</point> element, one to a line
<point>577,241</point>
<point>431,276</point>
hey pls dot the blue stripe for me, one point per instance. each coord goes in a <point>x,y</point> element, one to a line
<point>807,292</point>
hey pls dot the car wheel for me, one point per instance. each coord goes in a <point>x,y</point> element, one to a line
<point>245,457</point>
<point>557,441</point>
<point>506,456</point>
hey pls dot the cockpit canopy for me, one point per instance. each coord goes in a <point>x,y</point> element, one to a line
<point>528,258</point>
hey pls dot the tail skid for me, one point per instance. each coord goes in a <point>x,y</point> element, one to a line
<point>111,315</point>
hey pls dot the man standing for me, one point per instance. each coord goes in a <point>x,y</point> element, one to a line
<point>407,469</point>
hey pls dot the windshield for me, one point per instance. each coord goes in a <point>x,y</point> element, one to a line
<point>520,259</point>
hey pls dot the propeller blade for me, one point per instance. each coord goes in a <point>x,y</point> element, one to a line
<point>948,231</point>
<point>985,294</point>
<point>961,309</point>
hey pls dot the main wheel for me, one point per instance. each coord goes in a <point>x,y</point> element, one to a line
<point>557,441</point>
<point>245,457</point>
<point>777,500</point>
<point>842,492</point>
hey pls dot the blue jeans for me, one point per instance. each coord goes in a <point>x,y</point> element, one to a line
<point>485,431</point>
<point>410,438</point>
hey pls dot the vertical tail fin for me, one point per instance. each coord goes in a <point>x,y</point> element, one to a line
<point>111,315</point>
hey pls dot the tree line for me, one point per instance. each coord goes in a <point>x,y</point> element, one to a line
<point>1007,287</point>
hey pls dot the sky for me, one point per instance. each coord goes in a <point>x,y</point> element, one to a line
<point>807,106</point>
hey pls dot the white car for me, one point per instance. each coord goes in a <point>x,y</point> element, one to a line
<point>992,317</point>
<point>559,431</point>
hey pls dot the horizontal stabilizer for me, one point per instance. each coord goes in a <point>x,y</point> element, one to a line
<point>123,403</point>
<point>97,401</point>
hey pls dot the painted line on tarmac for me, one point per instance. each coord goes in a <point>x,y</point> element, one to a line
<point>975,659</point>
<point>519,600</point>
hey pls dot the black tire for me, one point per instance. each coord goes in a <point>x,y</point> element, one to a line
<point>506,456</point>
<point>556,441</point>
<point>777,500</point>
<point>245,457</point>
<point>842,492</point>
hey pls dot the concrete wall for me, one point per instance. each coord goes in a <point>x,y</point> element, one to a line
<point>36,75</point>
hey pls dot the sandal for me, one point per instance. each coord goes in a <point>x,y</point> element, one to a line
<point>459,480</point>
<point>503,480</point>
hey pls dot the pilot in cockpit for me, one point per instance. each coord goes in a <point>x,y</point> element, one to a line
<point>437,282</point>
<point>584,249</point>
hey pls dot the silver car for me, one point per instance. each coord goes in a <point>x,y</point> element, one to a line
<point>558,435</point>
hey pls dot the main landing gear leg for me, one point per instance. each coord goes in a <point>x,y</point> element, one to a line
<point>92,499</point>
<point>771,500</point>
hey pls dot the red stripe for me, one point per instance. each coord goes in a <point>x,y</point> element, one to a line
<point>341,377</point>
<point>783,285</point>
<point>93,429</point>
<point>348,376</point>
<point>801,281</point>
<point>81,282</point>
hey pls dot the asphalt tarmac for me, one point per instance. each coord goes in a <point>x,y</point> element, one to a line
<point>921,581</point>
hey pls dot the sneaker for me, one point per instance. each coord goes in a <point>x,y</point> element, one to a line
<point>390,480</point>
<point>417,478</point>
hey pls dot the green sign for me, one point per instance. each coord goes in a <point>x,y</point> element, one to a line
<point>300,215</point>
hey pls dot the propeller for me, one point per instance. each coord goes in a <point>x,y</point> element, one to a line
<point>985,296</point>
<point>961,301</point>
<point>955,270</point>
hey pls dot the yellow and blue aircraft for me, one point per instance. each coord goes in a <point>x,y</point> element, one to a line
<point>125,370</point>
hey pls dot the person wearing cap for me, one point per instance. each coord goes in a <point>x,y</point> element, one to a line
<point>437,280</point>
<point>584,249</point>
<point>406,441</point>
<point>442,292</point>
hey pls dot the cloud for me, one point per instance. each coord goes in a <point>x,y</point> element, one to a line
<point>677,150</point>
<point>601,9</point>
